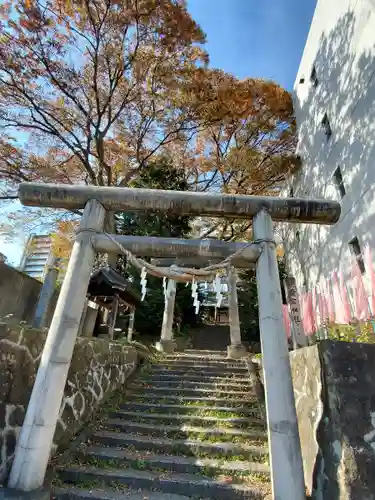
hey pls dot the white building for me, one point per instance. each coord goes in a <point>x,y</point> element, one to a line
<point>37,256</point>
<point>334,98</point>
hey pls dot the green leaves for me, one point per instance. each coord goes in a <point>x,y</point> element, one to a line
<point>159,174</point>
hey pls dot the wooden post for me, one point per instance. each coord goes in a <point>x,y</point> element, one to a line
<point>283,435</point>
<point>45,296</point>
<point>298,335</point>
<point>236,349</point>
<point>166,343</point>
<point>131,324</point>
<point>88,324</point>
<point>36,436</point>
<point>114,312</point>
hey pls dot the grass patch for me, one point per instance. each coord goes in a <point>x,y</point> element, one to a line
<point>226,438</point>
<point>89,484</point>
<point>236,477</point>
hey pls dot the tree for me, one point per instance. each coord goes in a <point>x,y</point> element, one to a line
<point>96,87</point>
<point>92,90</point>
<point>63,239</point>
<point>248,146</point>
<point>93,86</point>
<point>248,301</point>
<point>160,174</point>
<point>248,306</point>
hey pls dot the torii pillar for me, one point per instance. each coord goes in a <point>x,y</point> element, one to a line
<point>166,343</point>
<point>236,349</point>
<point>36,436</point>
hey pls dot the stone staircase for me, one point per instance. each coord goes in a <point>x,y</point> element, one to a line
<point>189,426</point>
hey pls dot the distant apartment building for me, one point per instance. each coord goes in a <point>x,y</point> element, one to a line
<point>37,256</point>
<point>334,97</point>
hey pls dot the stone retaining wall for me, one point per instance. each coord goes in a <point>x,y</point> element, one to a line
<point>98,368</point>
<point>334,386</point>
<point>19,295</point>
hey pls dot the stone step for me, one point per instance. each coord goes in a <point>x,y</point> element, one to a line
<point>187,465</point>
<point>194,384</point>
<point>202,352</point>
<point>203,363</point>
<point>183,409</point>
<point>165,430</point>
<point>154,396</point>
<point>201,371</point>
<point>186,391</point>
<point>112,494</point>
<point>181,484</point>
<point>219,362</point>
<point>195,358</point>
<point>185,446</point>
<point>197,352</point>
<point>193,378</point>
<point>209,420</point>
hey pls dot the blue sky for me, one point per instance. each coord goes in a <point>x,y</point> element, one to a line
<point>247,38</point>
<point>255,38</point>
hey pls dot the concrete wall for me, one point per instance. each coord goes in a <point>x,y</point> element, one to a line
<point>335,400</point>
<point>19,294</point>
<point>98,368</point>
<point>341,45</point>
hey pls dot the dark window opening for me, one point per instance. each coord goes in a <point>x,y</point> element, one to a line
<point>297,236</point>
<point>301,80</point>
<point>337,176</point>
<point>291,192</point>
<point>327,127</point>
<point>314,77</point>
<point>355,248</point>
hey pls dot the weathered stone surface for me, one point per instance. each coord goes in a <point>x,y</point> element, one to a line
<point>305,365</point>
<point>12,494</point>
<point>166,346</point>
<point>2,415</point>
<point>97,369</point>
<point>10,442</point>
<point>335,398</point>
<point>178,202</point>
<point>236,351</point>
<point>16,416</point>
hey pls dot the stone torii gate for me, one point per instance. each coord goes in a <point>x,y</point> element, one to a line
<point>191,253</point>
<point>36,436</point>
<point>236,349</point>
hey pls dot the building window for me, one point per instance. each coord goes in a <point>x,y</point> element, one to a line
<point>337,176</point>
<point>301,80</point>
<point>355,248</point>
<point>314,77</point>
<point>291,192</point>
<point>298,238</point>
<point>327,127</point>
